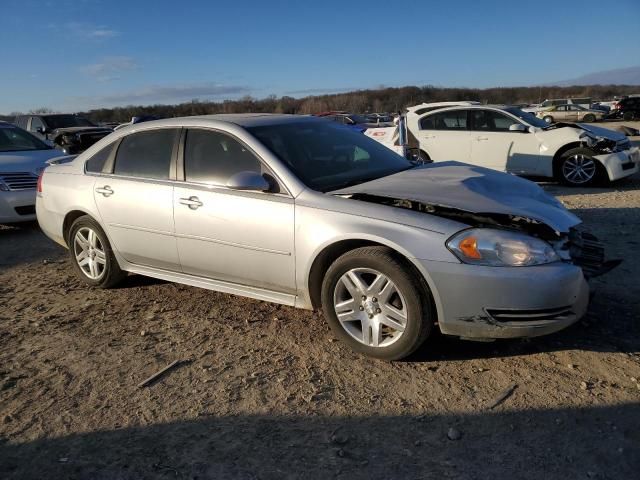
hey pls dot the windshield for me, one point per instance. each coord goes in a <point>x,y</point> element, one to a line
<point>65,121</point>
<point>530,118</point>
<point>327,156</point>
<point>13,139</point>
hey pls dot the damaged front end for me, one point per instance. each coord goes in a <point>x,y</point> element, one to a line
<point>576,246</point>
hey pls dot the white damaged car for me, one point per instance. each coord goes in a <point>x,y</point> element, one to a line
<point>507,139</point>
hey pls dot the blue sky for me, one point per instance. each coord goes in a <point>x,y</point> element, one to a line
<point>77,54</point>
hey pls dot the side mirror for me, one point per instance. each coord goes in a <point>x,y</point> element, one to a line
<point>518,127</point>
<point>248,181</point>
<point>42,130</point>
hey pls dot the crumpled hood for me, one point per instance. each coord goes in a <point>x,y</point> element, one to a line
<point>60,131</point>
<point>472,189</point>
<point>602,132</point>
<point>27,161</point>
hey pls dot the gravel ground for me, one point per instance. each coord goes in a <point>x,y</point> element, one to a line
<point>265,391</point>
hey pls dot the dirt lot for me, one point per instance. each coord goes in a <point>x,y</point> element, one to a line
<point>266,393</point>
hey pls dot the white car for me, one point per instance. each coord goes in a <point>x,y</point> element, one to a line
<point>22,159</point>
<point>507,139</point>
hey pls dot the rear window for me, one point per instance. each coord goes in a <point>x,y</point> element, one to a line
<point>146,154</point>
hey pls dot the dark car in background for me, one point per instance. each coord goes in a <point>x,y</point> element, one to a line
<point>626,108</point>
<point>70,133</point>
<point>353,120</point>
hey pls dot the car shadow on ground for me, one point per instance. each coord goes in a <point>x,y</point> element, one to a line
<point>627,184</point>
<point>594,442</point>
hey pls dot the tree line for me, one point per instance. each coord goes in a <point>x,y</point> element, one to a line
<point>360,101</point>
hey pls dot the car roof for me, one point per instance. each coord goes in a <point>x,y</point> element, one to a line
<point>244,120</point>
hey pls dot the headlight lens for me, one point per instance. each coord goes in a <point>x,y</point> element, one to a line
<point>3,187</point>
<point>500,248</point>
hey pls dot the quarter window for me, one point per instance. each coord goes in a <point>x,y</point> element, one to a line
<point>213,157</point>
<point>146,154</point>
<point>450,120</point>
<point>490,121</point>
<point>96,163</point>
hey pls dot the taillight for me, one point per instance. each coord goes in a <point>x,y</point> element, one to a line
<point>39,188</point>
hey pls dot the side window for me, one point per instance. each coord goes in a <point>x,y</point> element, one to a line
<point>450,120</point>
<point>96,163</point>
<point>213,157</point>
<point>490,121</point>
<point>558,102</point>
<point>561,108</point>
<point>35,124</point>
<point>146,154</point>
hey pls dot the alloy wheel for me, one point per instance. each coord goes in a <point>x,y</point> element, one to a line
<point>579,169</point>
<point>89,253</point>
<point>370,307</point>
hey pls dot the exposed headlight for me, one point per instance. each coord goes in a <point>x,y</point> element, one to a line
<point>500,248</point>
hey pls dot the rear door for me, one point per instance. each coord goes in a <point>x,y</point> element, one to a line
<point>242,237</point>
<point>135,198</point>
<point>494,146</point>
<point>444,135</point>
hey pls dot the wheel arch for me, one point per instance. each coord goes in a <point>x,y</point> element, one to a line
<point>69,218</point>
<point>561,151</point>
<point>329,253</point>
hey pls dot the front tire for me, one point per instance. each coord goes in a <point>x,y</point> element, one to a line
<point>627,116</point>
<point>375,303</point>
<point>578,168</point>
<point>548,119</point>
<point>91,255</point>
<point>589,118</point>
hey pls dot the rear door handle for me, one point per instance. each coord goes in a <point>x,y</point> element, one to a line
<point>192,202</point>
<point>106,190</point>
<point>482,138</point>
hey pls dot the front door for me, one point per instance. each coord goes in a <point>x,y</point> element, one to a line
<point>136,200</point>
<point>494,146</point>
<point>235,236</point>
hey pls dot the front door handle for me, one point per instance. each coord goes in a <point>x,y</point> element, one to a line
<point>106,190</point>
<point>482,138</point>
<point>192,202</point>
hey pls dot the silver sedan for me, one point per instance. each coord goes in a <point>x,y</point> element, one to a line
<point>308,213</point>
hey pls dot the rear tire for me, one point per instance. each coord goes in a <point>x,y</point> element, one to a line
<point>548,119</point>
<point>375,303</point>
<point>578,168</point>
<point>91,255</point>
<point>589,118</point>
<point>627,116</point>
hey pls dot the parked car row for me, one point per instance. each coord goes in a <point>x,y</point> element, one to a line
<point>302,211</point>
<point>508,139</point>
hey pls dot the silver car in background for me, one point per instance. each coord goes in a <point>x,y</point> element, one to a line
<point>308,213</point>
<point>22,159</point>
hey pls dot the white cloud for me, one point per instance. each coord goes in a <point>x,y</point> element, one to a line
<point>85,30</point>
<point>161,94</point>
<point>109,68</point>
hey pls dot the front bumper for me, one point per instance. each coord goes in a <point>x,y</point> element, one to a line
<point>620,164</point>
<point>507,302</point>
<point>17,206</point>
